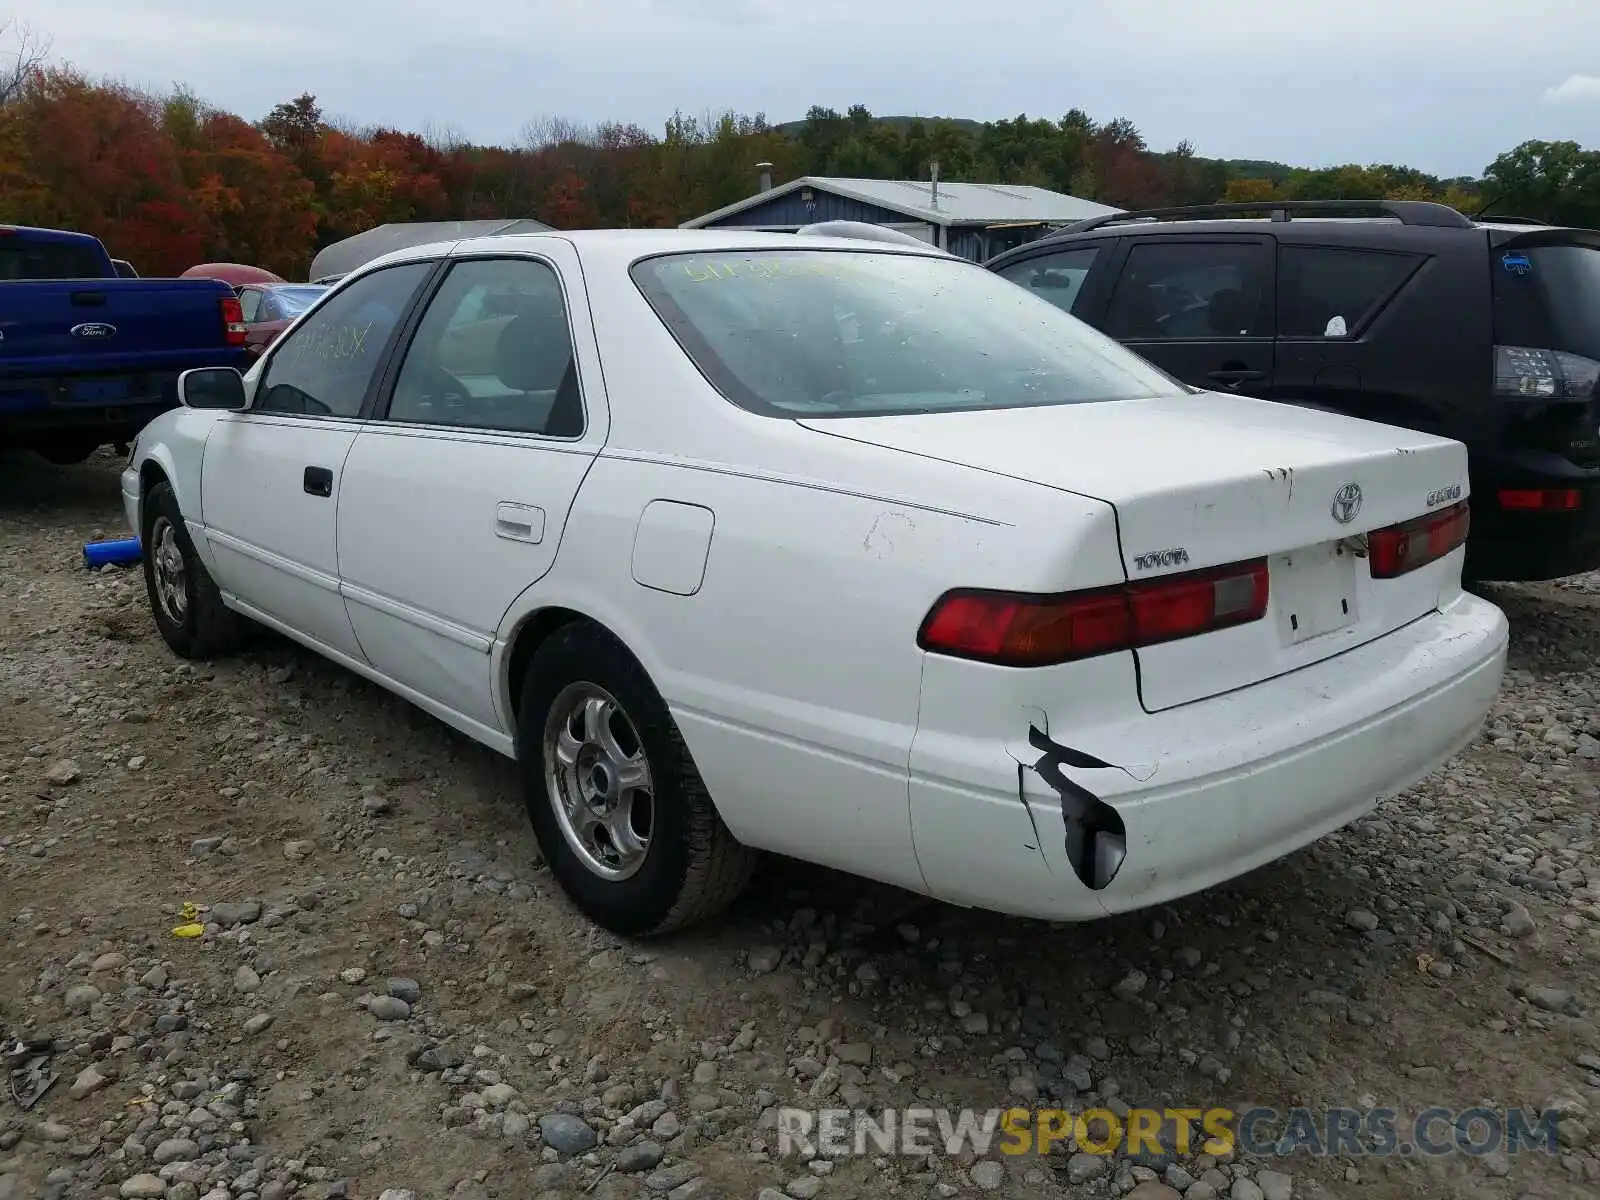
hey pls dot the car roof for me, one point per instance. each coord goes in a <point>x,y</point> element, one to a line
<point>635,244</point>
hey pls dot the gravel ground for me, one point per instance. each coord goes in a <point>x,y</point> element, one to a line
<point>391,998</point>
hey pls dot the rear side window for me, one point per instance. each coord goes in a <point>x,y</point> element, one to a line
<point>1057,278</point>
<point>1199,290</point>
<point>1548,298</point>
<point>1327,292</point>
<point>24,259</point>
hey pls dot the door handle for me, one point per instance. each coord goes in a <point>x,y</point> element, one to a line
<point>518,522</point>
<point>319,481</point>
<point>1235,375</point>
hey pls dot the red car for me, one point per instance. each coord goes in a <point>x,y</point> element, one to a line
<point>270,307</point>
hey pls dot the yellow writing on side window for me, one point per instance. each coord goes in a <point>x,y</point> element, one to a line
<point>788,266</point>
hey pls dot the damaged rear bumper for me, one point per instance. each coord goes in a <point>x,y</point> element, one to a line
<point>1204,792</point>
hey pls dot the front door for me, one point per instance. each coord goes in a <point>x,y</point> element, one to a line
<point>1199,307</point>
<point>270,476</point>
<point>454,497</point>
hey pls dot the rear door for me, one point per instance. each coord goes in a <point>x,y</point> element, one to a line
<point>1339,345</point>
<point>455,496</point>
<point>1198,306</point>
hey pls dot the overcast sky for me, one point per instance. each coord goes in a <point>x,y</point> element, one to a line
<point>1437,84</point>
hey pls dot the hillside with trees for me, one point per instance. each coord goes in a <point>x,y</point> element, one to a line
<point>169,180</point>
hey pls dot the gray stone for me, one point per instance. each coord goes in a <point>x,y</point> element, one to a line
<point>257,1024</point>
<point>641,1156</point>
<point>987,1175</point>
<point>763,959</point>
<point>63,773</point>
<point>566,1134</point>
<point>88,1082</point>
<point>236,912</point>
<point>1360,919</point>
<point>82,997</point>
<point>245,980</point>
<point>1243,1189</point>
<point>176,1150</point>
<point>143,1187</point>
<point>408,990</point>
<point>389,1008</point>
<point>1275,1185</point>
<point>1083,1167</point>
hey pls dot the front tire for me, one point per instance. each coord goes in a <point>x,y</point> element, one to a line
<point>619,809</point>
<point>184,599</point>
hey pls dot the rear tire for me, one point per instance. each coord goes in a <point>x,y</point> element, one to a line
<point>619,809</point>
<point>188,608</point>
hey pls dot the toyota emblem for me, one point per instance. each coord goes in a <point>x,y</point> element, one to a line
<point>1347,503</point>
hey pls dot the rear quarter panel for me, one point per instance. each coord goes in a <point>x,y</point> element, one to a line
<point>793,669</point>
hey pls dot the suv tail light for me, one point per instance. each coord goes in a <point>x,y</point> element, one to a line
<point>1015,629</point>
<point>232,320</point>
<point>1411,544</point>
<point>1524,373</point>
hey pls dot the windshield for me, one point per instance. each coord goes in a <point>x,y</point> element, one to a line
<point>840,333</point>
<point>295,300</point>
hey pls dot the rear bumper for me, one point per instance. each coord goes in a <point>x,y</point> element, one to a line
<point>1219,787</point>
<point>1510,544</point>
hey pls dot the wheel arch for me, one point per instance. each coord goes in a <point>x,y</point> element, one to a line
<point>536,623</point>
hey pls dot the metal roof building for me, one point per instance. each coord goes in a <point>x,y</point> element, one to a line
<point>974,220</point>
<point>343,257</point>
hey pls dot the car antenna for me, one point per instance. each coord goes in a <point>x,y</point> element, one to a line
<point>1490,203</point>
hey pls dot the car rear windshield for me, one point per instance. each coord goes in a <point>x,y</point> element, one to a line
<point>1548,297</point>
<point>842,333</point>
<point>21,258</point>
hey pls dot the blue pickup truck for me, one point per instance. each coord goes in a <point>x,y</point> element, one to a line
<point>88,355</point>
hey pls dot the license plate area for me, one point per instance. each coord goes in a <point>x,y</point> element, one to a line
<point>97,391</point>
<point>1314,591</point>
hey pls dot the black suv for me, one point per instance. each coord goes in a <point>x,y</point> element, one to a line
<point>1486,331</point>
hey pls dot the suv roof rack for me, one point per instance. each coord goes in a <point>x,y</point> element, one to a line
<point>1407,212</point>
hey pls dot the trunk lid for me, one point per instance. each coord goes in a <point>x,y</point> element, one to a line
<point>1205,480</point>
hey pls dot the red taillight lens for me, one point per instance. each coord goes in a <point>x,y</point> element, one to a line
<point>1412,544</point>
<point>1018,630</point>
<point>1541,499</point>
<point>232,320</point>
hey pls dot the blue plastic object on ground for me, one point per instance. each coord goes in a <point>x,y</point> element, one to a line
<point>120,552</point>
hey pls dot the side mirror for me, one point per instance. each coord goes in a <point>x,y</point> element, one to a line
<point>212,387</point>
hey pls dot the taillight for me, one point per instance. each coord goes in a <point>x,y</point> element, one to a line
<point>1541,499</point>
<point>1016,629</point>
<point>1526,373</point>
<point>232,320</point>
<point>1411,544</point>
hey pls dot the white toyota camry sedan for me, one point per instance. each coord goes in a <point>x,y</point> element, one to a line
<point>858,553</point>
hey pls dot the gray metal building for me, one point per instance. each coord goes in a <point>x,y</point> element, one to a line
<point>974,220</point>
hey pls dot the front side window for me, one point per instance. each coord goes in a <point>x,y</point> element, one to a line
<point>1203,290</point>
<point>324,367</point>
<point>840,333</point>
<point>1057,278</point>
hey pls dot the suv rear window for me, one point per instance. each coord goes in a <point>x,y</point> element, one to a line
<point>842,333</point>
<point>1548,297</point>
<point>24,259</point>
